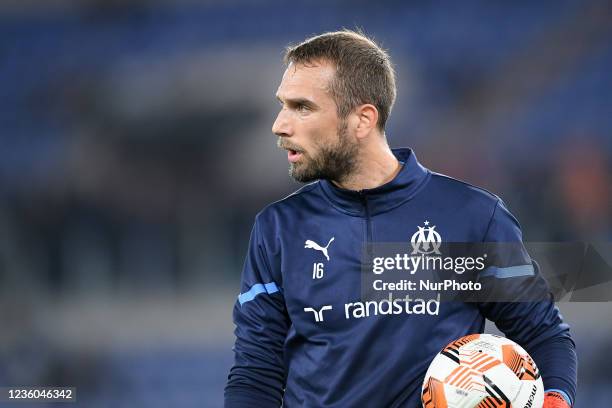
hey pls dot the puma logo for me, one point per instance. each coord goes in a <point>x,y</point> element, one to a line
<point>313,245</point>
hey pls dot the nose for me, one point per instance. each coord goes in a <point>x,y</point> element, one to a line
<point>281,126</point>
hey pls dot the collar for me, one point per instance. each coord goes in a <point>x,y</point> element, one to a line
<point>411,177</point>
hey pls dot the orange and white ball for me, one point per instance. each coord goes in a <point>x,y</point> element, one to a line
<point>482,371</point>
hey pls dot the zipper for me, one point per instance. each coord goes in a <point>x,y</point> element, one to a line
<point>368,230</point>
<point>368,218</point>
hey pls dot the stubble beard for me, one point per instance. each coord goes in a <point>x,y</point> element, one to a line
<point>334,162</point>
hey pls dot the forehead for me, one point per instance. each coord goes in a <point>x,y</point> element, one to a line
<point>310,80</point>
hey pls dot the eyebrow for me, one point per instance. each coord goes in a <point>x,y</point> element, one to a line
<point>298,101</point>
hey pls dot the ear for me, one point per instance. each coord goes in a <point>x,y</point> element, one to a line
<point>366,117</point>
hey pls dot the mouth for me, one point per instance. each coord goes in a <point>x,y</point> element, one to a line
<point>293,155</point>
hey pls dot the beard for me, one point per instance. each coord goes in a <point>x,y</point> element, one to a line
<point>333,161</point>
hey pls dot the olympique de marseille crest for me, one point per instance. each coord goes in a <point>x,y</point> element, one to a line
<point>426,240</point>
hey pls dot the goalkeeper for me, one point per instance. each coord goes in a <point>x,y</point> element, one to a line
<point>297,345</point>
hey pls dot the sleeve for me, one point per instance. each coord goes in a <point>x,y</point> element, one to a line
<point>257,377</point>
<point>532,319</point>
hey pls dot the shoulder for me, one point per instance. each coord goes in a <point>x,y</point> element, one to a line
<point>466,200</point>
<point>455,186</point>
<point>293,203</point>
<point>455,189</point>
<point>479,203</point>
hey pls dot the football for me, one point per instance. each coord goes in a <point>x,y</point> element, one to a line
<point>482,371</point>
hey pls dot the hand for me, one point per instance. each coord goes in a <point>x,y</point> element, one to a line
<point>553,399</point>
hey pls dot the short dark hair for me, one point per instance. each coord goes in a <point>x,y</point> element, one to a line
<point>364,73</point>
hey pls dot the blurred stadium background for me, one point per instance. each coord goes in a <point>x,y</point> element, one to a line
<point>135,151</point>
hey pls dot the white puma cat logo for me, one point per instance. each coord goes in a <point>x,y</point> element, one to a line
<point>313,245</point>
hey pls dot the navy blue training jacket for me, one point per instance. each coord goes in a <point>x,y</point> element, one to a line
<point>298,344</point>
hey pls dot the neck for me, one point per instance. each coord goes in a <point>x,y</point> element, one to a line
<point>377,166</point>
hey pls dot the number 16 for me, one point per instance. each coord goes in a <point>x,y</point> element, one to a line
<point>317,270</point>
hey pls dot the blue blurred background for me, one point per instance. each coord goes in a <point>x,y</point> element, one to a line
<point>135,151</point>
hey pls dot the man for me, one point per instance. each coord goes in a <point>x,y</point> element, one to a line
<point>302,338</point>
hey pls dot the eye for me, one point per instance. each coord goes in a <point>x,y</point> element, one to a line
<point>300,107</point>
